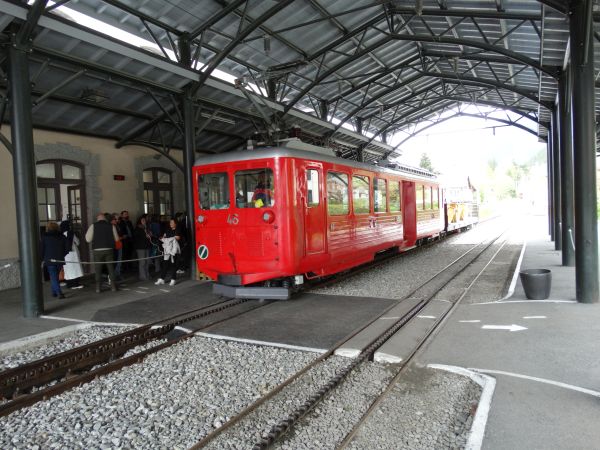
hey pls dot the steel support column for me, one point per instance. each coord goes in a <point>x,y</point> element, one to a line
<point>189,156</point>
<point>550,187</point>
<point>584,151</point>
<point>556,180</point>
<point>25,181</point>
<point>566,169</point>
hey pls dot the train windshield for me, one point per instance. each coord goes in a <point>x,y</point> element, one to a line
<point>213,189</point>
<point>254,188</point>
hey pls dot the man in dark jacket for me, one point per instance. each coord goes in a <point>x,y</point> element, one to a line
<point>102,235</point>
<point>54,248</point>
<point>126,232</point>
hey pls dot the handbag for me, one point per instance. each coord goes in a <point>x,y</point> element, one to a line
<point>118,244</point>
<point>61,275</point>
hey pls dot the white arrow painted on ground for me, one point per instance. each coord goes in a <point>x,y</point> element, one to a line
<point>512,327</point>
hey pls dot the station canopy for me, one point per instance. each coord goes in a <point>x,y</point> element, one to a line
<point>357,76</point>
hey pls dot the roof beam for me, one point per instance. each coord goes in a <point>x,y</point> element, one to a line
<point>34,13</point>
<point>449,78</point>
<point>510,56</point>
<point>471,13</point>
<point>463,114</point>
<point>215,18</point>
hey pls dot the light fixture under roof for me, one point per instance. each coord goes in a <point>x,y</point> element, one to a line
<point>94,95</point>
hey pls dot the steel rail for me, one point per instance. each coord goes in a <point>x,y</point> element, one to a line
<point>429,335</point>
<point>65,364</point>
<point>284,425</point>
<point>252,407</point>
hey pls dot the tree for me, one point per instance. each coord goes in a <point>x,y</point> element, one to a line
<point>426,163</point>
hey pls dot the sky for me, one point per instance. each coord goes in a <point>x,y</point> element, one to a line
<point>463,146</point>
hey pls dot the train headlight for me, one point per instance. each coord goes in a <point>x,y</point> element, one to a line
<point>268,216</point>
<point>201,219</point>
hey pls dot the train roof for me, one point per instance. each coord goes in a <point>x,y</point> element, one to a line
<point>282,152</point>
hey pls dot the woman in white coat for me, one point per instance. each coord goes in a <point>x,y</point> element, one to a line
<point>72,268</point>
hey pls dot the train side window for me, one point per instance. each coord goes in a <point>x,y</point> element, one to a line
<point>360,194</point>
<point>427,197</point>
<point>213,189</point>
<point>312,187</point>
<point>254,188</point>
<point>436,198</point>
<point>337,193</point>
<point>395,205</point>
<point>380,195</point>
<point>419,197</point>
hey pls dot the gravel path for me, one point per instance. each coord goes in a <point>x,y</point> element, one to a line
<point>172,400</point>
<point>63,343</point>
<point>428,409</point>
<point>405,273</point>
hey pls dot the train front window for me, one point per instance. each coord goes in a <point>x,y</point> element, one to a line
<point>360,194</point>
<point>436,198</point>
<point>337,193</point>
<point>213,189</point>
<point>254,188</point>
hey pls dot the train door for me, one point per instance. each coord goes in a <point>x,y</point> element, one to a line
<point>314,211</point>
<point>409,212</point>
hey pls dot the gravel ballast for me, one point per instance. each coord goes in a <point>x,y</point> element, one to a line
<point>171,400</point>
<point>401,275</point>
<point>62,343</point>
<point>428,409</point>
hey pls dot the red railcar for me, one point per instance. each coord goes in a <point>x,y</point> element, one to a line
<point>268,219</point>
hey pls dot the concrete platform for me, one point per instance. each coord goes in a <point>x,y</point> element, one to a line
<point>401,345</point>
<point>547,393</point>
<point>355,345</point>
<point>135,302</point>
<point>311,321</point>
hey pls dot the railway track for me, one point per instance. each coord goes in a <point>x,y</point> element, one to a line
<point>426,291</point>
<point>39,380</point>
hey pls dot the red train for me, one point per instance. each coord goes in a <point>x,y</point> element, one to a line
<point>268,219</point>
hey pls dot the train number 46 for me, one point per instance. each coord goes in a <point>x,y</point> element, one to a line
<point>233,219</point>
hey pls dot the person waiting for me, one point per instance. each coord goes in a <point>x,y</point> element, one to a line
<point>103,235</point>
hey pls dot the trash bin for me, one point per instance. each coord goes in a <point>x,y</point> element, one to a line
<point>536,283</point>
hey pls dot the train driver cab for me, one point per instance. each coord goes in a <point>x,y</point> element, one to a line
<point>254,188</point>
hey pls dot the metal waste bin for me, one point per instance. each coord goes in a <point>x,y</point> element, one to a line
<point>536,283</point>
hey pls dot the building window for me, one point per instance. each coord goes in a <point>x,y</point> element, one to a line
<point>158,192</point>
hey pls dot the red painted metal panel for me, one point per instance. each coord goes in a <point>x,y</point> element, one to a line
<point>303,238</point>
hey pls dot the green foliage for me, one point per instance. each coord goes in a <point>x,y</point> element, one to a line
<point>426,163</point>
<point>337,209</point>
